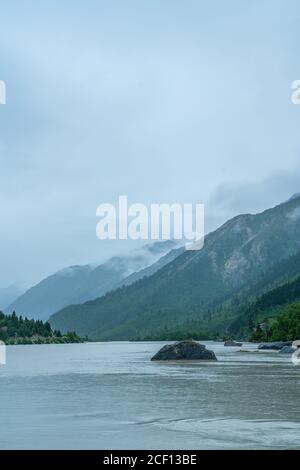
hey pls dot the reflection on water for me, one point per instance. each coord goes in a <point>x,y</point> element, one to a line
<point>110,396</point>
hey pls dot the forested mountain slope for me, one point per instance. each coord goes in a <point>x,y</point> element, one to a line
<point>237,256</point>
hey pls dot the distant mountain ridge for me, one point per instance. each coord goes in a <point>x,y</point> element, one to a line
<point>9,294</point>
<point>77,284</point>
<point>236,256</point>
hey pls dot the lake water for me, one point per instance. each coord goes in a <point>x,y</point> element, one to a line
<point>110,396</point>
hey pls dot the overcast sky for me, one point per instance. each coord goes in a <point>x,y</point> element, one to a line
<point>163,101</point>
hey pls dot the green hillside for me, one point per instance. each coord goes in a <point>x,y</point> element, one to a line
<point>260,313</point>
<point>242,315</point>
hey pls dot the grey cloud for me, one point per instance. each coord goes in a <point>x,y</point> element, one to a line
<point>152,100</point>
<point>234,197</point>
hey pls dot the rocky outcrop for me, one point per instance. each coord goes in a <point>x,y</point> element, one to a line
<point>184,351</point>
<point>275,346</point>
<point>232,343</point>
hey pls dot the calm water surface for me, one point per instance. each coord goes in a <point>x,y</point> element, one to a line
<point>110,396</point>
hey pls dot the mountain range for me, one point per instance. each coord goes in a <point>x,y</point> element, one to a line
<point>8,294</point>
<point>248,255</point>
<point>77,284</point>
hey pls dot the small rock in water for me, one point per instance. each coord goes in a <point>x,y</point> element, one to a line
<point>232,343</point>
<point>287,350</point>
<point>277,345</point>
<point>248,350</point>
<point>184,350</point>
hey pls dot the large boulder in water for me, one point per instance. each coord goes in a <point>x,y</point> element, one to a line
<point>184,351</point>
<point>277,345</point>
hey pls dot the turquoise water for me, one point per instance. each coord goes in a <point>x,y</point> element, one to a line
<point>110,396</point>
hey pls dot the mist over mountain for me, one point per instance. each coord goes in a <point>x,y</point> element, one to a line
<point>8,294</point>
<point>77,284</point>
<point>236,256</point>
